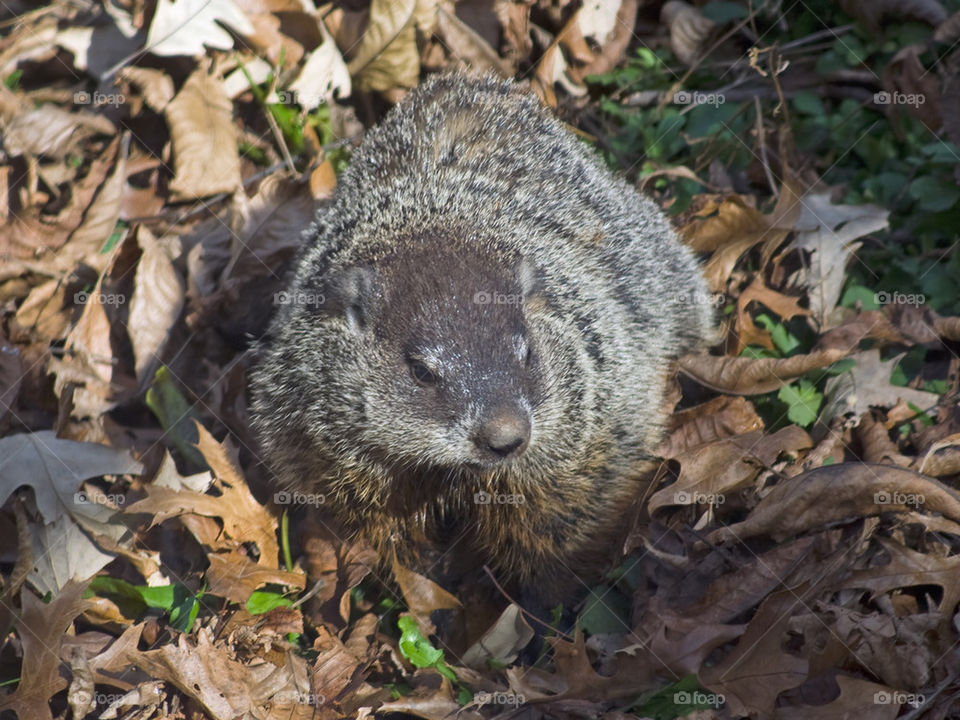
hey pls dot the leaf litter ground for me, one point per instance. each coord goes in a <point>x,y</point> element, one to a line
<point>795,555</point>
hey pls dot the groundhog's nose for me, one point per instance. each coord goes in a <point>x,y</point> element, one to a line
<point>504,435</point>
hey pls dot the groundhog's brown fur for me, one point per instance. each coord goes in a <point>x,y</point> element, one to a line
<point>475,346</point>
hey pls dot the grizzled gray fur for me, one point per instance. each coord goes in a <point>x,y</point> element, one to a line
<point>477,343</point>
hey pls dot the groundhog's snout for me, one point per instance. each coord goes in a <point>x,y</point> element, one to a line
<point>503,435</point>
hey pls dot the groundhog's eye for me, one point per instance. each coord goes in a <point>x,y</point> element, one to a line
<point>421,373</point>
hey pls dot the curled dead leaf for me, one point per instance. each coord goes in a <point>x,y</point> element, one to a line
<point>751,376</point>
<point>838,493</point>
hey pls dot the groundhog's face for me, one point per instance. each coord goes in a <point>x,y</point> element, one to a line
<point>451,375</point>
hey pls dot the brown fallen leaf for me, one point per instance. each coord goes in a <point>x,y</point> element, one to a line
<point>204,138</point>
<point>334,670</point>
<point>156,85</point>
<point>156,303</point>
<point>948,327</point>
<point>750,376</point>
<point>32,232</point>
<point>467,44</point>
<point>691,33</point>
<point>837,493</point>
<point>387,57</point>
<point>877,447</point>
<point>892,644</point>
<point>785,306</point>
<point>423,596</point>
<point>44,312</point>
<point>431,703</point>
<point>719,418</point>
<point>759,668</point>
<point>244,519</point>
<point>86,243</point>
<point>51,131</point>
<point>86,371</point>
<point>502,642</point>
<point>710,472</point>
<point>41,628</point>
<point>223,686</point>
<point>865,325</point>
<point>828,235</point>
<point>235,576</point>
<point>868,385</point>
<point>858,698</point>
<point>909,568</point>
<point>942,458</point>
<point>731,228</point>
<point>634,673</point>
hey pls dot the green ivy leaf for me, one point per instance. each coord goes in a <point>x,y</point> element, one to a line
<point>933,194</point>
<point>802,400</point>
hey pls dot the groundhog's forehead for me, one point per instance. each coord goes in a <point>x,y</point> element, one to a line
<point>450,294</point>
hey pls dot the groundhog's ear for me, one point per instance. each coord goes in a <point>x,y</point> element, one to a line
<point>348,293</point>
<point>529,277</point>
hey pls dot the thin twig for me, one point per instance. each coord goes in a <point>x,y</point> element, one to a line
<point>522,609</point>
<point>761,136</point>
<point>693,68</point>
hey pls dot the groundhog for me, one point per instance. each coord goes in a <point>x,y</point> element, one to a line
<point>472,355</point>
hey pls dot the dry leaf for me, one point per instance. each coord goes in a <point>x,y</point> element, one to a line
<point>156,85</point>
<point>155,305</point>
<point>204,139</point>
<point>502,642</point>
<point>235,577</point>
<point>184,27</point>
<point>691,32</point>
<point>828,232</point>
<point>717,419</point>
<point>710,472</point>
<point>943,457</point>
<point>868,385</point>
<point>387,57</point>
<point>54,468</point>
<point>467,44</point>
<point>52,131</point>
<point>423,596</point>
<point>750,376</point>
<point>838,493</point>
<point>324,75</point>
<point>42,628</point>
<point>759,668</point>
